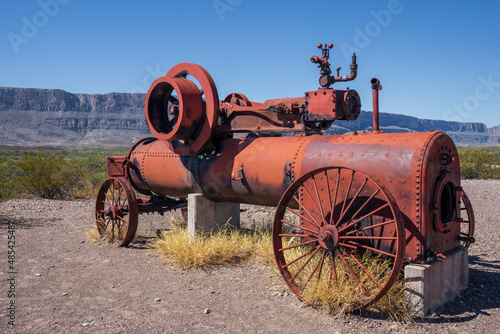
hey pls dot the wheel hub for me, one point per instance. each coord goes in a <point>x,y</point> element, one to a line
<point>328,237</point>
<point>114,212</point>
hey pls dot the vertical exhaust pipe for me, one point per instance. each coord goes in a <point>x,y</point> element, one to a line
<point>376,86</point>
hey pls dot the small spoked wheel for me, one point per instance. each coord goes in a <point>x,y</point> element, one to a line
<point>468,221</point>
<point>338,235</point>
<point>116,212</point>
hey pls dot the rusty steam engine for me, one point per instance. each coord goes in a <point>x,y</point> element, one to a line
<point>341,199</point>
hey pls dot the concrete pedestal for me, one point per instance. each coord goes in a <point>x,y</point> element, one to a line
<point>205,216</point>
<point>432,285</point>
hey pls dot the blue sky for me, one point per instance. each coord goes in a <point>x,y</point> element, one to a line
<point>435,59</point>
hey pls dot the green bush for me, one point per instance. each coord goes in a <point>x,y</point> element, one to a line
<point>7,187</point>
<point>479,163</point>
<point>53,173</point>
<point>48,176</point>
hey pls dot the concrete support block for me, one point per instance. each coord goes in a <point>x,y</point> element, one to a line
<point>432,285</point>
<point>205,216</point>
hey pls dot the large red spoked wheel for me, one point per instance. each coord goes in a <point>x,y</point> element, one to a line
<point>336,228</point>
<point>116,211</point>
<point>468,221</point>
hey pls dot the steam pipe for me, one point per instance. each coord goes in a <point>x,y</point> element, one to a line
<point>376,86</point>
<point>352,76</point>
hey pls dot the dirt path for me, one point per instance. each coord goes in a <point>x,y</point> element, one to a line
<point>66,284</point>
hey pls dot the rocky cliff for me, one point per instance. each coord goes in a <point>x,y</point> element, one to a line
<point>53,117</point>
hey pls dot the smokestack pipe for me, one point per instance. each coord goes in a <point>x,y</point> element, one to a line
<point>376,86</point>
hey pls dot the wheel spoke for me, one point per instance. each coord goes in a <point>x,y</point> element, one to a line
<point>352,273</point>
<point>315,204</point>
<point>359,237</point>
<point>332,222</point>
<point>296,235</point>
<point>119,197</point>
<point>392,221</point>
<point>348,224</point>
<point>364,217</point>
<point>302,217</point>
<point>312,272</point>
<point>304,208</point>
<point>346,197</point>
<point>321,261</point>
<point>329,195</point>
<point>300,257</point>
<point>364,269</point>
<point>297,245</point>
<point>298,226</point>
<point>355,245</point>
<point>332,267</point>
<point>353,200</point>
<point>305,263</point>
<point>113,199</point>
<point>319,200</point>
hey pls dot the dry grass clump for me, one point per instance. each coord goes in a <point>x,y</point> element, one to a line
<point>341,292</point>
<point>113,233</point>
<point>226,246</point>
<point>93,235</point>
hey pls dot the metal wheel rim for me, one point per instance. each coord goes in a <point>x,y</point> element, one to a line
<point>116,211</point>
<point>467,225</point>
<point>345,252</point>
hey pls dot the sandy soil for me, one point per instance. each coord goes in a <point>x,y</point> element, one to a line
<point>66,284</point>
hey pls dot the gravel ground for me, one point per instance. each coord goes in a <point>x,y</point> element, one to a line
<point>64,283</point>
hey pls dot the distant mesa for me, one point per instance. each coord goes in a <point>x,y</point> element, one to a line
<point>56,118</point>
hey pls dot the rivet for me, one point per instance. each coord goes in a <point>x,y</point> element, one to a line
<point>329,154</point>
<point>400,153</point>
<point>340,154</point>
<point>374,154</point>
<point>418,249</point>
<point>362,154</point>
<point>351,153</point>
<point>404,206</point>
<point>417,215</point>
<point>387,154</point>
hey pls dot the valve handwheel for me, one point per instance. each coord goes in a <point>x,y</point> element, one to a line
<point>336,228</point>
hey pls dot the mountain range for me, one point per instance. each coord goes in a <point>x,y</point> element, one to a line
<point>55,118</point>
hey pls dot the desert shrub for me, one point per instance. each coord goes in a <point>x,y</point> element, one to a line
<point>48,176</point>
<point>93,173</point>
<point>479,163</point>
<point>7,187</point>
